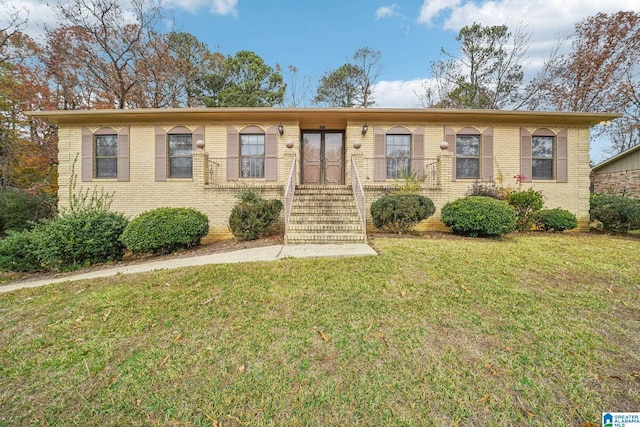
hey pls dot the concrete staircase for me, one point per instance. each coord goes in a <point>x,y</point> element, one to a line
<point>324,214</point>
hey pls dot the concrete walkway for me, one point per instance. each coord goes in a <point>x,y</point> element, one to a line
<point>266,253</point>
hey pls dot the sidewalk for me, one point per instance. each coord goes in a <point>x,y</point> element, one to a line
<point>266,253</point>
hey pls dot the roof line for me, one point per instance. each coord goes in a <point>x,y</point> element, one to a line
<point>616,157</point>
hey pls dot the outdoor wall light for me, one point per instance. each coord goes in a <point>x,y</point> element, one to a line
<point>280,129</point>
<point>365,128</point>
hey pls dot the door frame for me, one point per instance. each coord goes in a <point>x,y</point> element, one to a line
<point>322,133</point>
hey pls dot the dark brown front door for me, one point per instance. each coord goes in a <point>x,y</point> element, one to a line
<point>322,157</point>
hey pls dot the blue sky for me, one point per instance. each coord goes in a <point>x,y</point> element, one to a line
<point>317,36</point>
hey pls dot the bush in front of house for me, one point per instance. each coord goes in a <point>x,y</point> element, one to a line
<point>478,216</point>
<point>555,220</point>
<point>399,213</point>
<point>253,216</point>
<point>165,230</point>
<point>617,214</point>
<point>67,242</point>
<point>19,252</point>
<point>80,239</point>
<point>526,204</point>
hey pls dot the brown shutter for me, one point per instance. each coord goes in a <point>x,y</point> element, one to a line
<point>86,155</point>
<point>198,135</point>
<point>417,152</point>
<point>123,154</point>
<point>562,174</point>
<point>379,155</point>
<point>271,155</point>
<point>486,151</point>
<point>526,163</point>
<point>450,138</point>
<point>232,154</point>
<point>161,154</point>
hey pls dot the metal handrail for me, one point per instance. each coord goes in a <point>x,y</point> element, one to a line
<point>426,170</point>
<point>359,196</point>
<point>213,171</point>
<point>288,195</point>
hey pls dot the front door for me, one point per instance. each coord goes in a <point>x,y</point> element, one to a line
<point>322,157</point>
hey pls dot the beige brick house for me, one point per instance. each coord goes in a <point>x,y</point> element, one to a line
<point>327,165</point>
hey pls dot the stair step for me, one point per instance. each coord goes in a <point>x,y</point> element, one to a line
<point>297,238</point>
<point>323,205</point>
<point>325,228</point>
<point>324,219</point>
<point>324,197</point>
<point>324,214</point>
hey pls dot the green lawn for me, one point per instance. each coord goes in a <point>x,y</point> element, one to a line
<point>527,330</point>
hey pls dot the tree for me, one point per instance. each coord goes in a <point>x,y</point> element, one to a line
<point>194,61</point>
<point>27,147</point>
<point>244,81</point>
<point>351,84</point>
<point>599,73</point>
<point>485,74</point>
<point>298,87</point>
<point>340,88</point>
<point>106,41</point>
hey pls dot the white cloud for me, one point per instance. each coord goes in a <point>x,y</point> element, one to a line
<point>217,7</point>
<point>387,11</point>
<point>432,8</point>
<point>398,93</point>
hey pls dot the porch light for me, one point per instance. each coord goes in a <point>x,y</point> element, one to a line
<point>365,128</point>
<point>280,129</point>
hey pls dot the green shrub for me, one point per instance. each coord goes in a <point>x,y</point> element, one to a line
<point>165,230</point>
<point>399,213</point>
<point>617,214</point>
<point>526,204</point>
<point>19,252</point>
<point>253,216</point>
<point>479,216</point>
<point>555,220</point>
<point>80,239</point>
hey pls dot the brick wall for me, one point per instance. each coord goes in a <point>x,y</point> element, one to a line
<point>617,181</point>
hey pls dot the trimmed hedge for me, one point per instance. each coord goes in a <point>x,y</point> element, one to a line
<point>555,220</point>
<point>81,239</point>
<point>65,243</point>
<point>165,230</point>
<point>479,216</point>
<point>19,252</point>
<point>253,216</point>
<point>399,213</point>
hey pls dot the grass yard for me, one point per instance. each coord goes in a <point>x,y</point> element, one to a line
<point>528,330</point>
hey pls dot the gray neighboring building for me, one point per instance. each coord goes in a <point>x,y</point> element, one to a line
<point>620,173</point>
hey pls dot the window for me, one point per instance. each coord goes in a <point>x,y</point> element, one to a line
<point>252,155</point>
<point>398,155</point>
<point>542,157</point>
<point>180,155</point>
<point>106,157</point>
<point>468,156</point>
